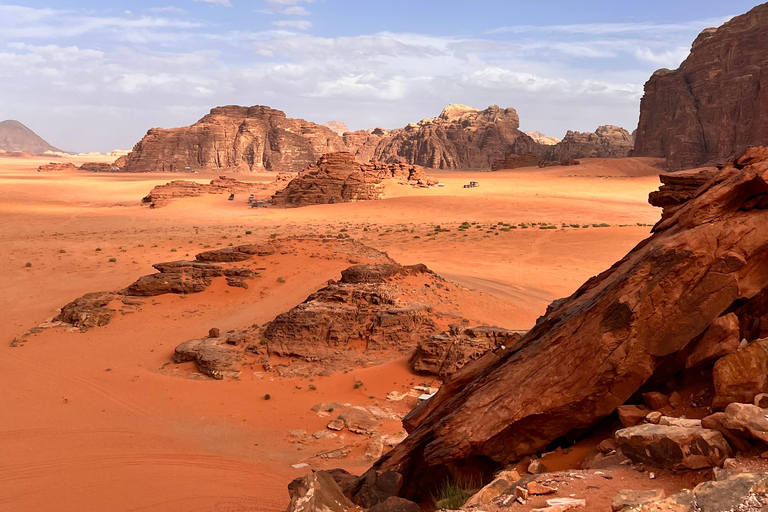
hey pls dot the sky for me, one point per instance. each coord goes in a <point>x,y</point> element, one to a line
<point>91,75</point>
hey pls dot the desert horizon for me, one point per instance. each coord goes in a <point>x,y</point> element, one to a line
<point>478,308</point>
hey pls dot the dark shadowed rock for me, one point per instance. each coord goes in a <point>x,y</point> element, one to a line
<point>395,504</point>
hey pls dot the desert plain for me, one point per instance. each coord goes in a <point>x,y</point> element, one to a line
<point>100,420</point>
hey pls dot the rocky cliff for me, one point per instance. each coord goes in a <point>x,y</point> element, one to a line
<point>461,137</point>
<point>606,142</point>
<point>237,139</point>
<point>640,321</point>
<point>716,103</point>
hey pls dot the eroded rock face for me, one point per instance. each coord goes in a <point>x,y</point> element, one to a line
<point>606,142</point>
<point>461,137</point>
<point>90,310</point>
<point>338,178</point>
<point>238,139</point>
<point>446,353</point>
<point>741,376</point>
<point>593,350</point>
<point>516,161</point>
<point>363,312</point>
<point>715,104</point>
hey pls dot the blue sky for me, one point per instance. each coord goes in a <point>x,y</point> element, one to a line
<point>94,76</point>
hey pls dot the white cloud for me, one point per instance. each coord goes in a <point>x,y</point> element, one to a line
<point>296,10</point>
<point>296,24</point>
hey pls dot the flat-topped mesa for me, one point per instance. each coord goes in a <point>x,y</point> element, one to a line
<point>715,104</point>
<point>461,137</point>
<point>640,321</point>
<point>338,178</point>
<point>606,142</point>
<point>236,138</point>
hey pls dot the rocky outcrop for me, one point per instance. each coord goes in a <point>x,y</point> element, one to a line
<point>338,178</point>
<point>446,353</point>
<point>673,447</point>
<point>15,137</point>
<point>236,139</point>
<point>337,127</point>
<point>182,277</point>
<point>361,313</point>
<point>55,167</point>
<point>90,310</point>
<point>678,189</point>
<point>715,104</point>
<point>461,137</point>
<point>214,356</point>
<point>162,195</point>
<point>98,167</point>
<point>595,349</point>
<point>742,375</point>
<point>606,142</point>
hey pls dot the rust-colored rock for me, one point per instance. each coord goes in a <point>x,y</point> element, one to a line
<point>741,376</point>
<point>88,311</point>
<point>722,338</point>
<point>354,317</point>
<point>236,139</point>
<point>338,178</point>
<point>678,189</point>
<point>594,350</point>
<point>715,104</point>
<point>606,142</point>
<point>460,137</point>
<point>673,447</point>
<point>214,357</point>
<point>446,353</point>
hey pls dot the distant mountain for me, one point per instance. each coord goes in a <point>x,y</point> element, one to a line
<point>541,138</point>
<point>14,136</point>
<point>337,126</point>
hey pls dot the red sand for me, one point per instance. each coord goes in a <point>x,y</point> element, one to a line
<point>90,421</point>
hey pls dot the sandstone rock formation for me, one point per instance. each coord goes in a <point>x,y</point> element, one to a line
<point>595,349</point>
<point>317,492</point>
<point>162,195</point>
<point>715,104</point>
<point>214,356</point>
<point>15,137</point>
<point>97,167</point>
<point>236,139</point>
<point>53,167</point>
<point>461,137</point>
<point>606,142</point>
<point>742,492</point>
<point>366,311</point>
<point>446,353</point>
<point>338,178</point>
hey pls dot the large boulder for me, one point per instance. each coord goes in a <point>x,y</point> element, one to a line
<point>743,420</point>
<point>673,447</point>
<point>715,104</point>
<point>594,350</point>
<point>317,492</point>
<point>741,376</point>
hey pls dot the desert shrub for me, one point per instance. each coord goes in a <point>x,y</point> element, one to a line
<point>28,265</point>
<point>453,495</point>
<point>267,397</point>
<point>112,260</point>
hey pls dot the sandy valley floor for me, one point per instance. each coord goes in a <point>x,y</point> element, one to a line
<point>97,421</point>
